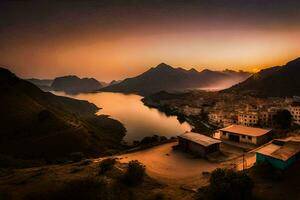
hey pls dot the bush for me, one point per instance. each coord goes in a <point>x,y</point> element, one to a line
<point>106,165</point>
<point>229,184</point>
<point>135,173</point>
<point>149,140</point>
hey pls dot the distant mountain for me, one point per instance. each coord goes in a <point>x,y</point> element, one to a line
<point>113,82</point>
<point>44,84</point>
<point>37,124</point>
<point>279,81</point>
<point>104,84</point>
<point>73,84</point>
<point>165,77</point>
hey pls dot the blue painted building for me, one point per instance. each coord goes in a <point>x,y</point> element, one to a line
<point>279,153</point>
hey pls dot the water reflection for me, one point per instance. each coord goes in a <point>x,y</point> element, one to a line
<point>139,120</point>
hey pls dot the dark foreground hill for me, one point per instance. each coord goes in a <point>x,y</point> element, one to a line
<point>279,81</point>
<point>74,84</point>
<point>37,124</point>
<point>165,77</point>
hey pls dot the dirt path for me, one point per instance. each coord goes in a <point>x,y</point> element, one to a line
<point>168,165</point>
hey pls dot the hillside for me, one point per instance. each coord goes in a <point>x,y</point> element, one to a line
<point>165,77</point>
<point>37,124</point>
<point>74,84</point>
<point>279,81</point>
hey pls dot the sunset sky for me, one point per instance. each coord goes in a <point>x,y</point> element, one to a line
<point>118,39</point>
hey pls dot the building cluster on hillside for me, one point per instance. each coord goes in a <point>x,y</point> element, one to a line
<point>257,116</point>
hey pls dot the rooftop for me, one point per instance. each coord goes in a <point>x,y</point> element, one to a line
<point>245,130</point>
<point>200,139</point>
<point>281,152</point>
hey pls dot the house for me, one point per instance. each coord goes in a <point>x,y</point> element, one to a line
<point>248,118</point>
<point>198,144</point>
<point>266,118</point>
<point>245,134</point>
<point>222,119</point>
<point>279,153</point>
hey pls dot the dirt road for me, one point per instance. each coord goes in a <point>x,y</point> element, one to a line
<point>164,163</point>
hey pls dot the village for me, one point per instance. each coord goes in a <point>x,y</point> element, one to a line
<point>245,130</point>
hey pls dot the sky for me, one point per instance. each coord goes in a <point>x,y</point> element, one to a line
<point>115,39</point>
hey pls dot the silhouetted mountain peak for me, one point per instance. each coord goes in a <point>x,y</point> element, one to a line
<point>206,71</point>
<point>75,84</point>
<point>163,66</point>
<point>193,70</point>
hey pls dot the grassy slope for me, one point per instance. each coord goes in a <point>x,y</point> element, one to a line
<point>48,181</point>
<point>70,125</point>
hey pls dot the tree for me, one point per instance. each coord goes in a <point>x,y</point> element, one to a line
<point>283,119</point>
<point>135,173</point>
<point>229,184</point>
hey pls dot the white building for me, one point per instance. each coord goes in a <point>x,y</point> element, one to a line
<point>245,134</point>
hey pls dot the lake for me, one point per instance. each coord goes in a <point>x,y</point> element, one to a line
<point>138,119</point>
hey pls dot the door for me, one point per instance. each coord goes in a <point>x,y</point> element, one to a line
<point>234,138</point>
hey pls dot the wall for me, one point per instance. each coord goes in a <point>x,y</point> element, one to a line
<point>278,164</point>
<point>195,148</point>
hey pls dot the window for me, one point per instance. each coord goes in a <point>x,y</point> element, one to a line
<point>249,138</point>
<point>243,136</point>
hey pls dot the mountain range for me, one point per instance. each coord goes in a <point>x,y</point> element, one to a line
<point>74,84</point>
<point>37,124</point>
<point>165,77</point>
<point>278,81</point>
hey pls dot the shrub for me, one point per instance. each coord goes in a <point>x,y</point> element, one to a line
<point>229,184</point>
<point>163,138</point>
<point>135,173</point>
<point>106,165</point>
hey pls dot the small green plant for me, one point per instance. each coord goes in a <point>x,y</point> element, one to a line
<point>135,173</point>
<point>106,165</point>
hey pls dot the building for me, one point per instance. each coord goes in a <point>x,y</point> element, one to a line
<point>198,144</point>
<point>245,134</point>
<point>279,153</point>
<point>191,111</point>
<point>266,118</point>
<point>248,118</point>
<point>294,109</point>
<point>222,119</point>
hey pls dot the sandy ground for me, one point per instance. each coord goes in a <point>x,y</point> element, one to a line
<point>171,166</point>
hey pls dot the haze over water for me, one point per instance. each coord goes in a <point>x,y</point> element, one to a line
<point>138,119</point>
